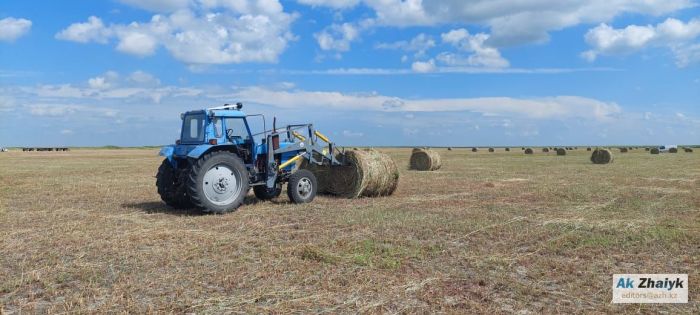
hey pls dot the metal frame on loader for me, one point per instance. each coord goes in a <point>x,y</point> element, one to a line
<point>216,161</point>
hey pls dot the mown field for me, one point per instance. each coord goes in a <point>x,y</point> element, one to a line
<point>84,231</point>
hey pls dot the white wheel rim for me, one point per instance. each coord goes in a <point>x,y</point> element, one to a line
<point>221,185</point>
<point>304,188</point>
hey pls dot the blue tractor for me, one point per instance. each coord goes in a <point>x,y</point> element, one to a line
<point>217,159</point>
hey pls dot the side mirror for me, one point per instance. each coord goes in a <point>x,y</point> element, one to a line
<point>182,116</point>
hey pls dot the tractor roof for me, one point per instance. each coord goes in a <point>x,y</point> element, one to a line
<point>219,112</point>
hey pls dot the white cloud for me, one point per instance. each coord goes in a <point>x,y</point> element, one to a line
<point>66,132</point>
<point>138,85</point>
<point>136,43</point>
<point>511,22</point>
<point>480,54</point>
<point>419,45</point>
<point>337,37</point>
<point>556,107</point>
<point>13,28</point>
<point>105,81</point>
<point>91,31</point>
<point>203,32</point>
<point>424,66</point>
<point>141,78</point>
<point>672,33</point>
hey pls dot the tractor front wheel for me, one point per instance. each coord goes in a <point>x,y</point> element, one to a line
<point>218,182</point>
<point>171,186</point>
<point>302,186</point>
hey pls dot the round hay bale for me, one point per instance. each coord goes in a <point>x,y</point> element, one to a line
<point>655,151</point>
<point>588,149</point>
<point>475,149</point>
<point>449,149</point>
<point>507,149</point>
<point>491,150</point>
<point>545,150</point>
<point>523,148</point>
<point>425,160</point>
<point>646,149</point>
<point>688,150</point>
<point>623,150</point>
<point>601,156</point>
<point>673,150</point>
<point>528,151</point>
<point>369,173</point>
<point>561,151</point>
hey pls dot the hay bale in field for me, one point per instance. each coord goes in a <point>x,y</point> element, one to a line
<point>545,150</point>
<point>623,150</point>
<point>673,150</point>
<point>528,151</point>
<point>491,150</point>
<point>425,160</point>
<point>561,151</point>
<point>655,151</point>
<point>646,149</point>
<point>369,173</point>
<point>523,148</point>
<point>688,150</point>
<point>601,156</point>
<point>507,149</point>
<point>588,149</point>
<point>449,149</point>
<point>475,149</point>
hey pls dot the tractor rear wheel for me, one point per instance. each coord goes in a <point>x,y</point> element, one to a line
<point>302,186</point>
<point>171,186</point>
<point>218,182</point>
<point>263,193</point>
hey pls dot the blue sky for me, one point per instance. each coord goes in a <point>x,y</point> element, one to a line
<point>367,72</point>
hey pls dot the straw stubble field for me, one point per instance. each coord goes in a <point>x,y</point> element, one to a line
<point>489,232</point>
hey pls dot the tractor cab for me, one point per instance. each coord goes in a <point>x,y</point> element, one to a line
<point>224,127</point>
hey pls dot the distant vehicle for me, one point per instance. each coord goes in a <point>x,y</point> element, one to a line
<point>3,149</point>
<point>665,148</point>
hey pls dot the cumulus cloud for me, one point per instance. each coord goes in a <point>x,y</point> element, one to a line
<point>13,28</point>
<point>672,33</point>
<point>479,53</point>
<point>201,32</point>
<point>337,37</point>
<point>424,66</point>
<point>512,22</point>
<point>103,82</point>
<point>93,30</point>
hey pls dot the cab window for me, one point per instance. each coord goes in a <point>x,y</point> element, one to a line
<point>236,129</point>
<point>218,127</point>
<point>193,128</point>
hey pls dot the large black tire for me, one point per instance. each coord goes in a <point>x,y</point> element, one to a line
<point>263,193</point>
<point>202,188</point>
<point>302,186</point>
<point>171,186</point>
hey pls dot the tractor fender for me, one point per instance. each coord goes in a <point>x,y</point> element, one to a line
<point>199,150</point>
<point>167,152</point>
